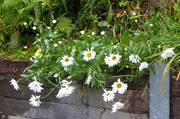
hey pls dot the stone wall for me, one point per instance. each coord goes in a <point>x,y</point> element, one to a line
<point>82,104</point>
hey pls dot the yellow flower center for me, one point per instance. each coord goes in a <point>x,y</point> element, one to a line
<point>68,85</point>
<point>114,58</point>
<point>89,54</point>
<point>66,60</point>
<point>119,85</point>
<point>107,94</point>
<point>35,84</point>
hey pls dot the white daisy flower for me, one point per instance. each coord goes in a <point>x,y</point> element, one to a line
<point>159,46</point>
<point>48,27</point>
<point>108,96</point>
<point>55,45</point>
<point>108,61</point>
<point>82,32</point>
<point>25,23</point>
<point>134,58</point>
<point>89,79</point>
<point>66,61</point>
<point>143,66</point>
<point>63,92</point>
<point>55,32</point>
<point>50,35</point>
<point>35,86</point>
<point>102,32</point>
<point>14,83</point>
<point>66,84</point>
<point>117,106</point>
<point>150,24</point>
<point>115,58</point>
<point>136,20</point>
<point>168,53</point>
<point>93,33</point>
<point>53,21</point>
<point>112,60</point>
<point>37,34</point>
<point>89,55</point>
<point>119,87</point>
<point>34,28</point>
<point>125,12</point>
<point>35,101</point>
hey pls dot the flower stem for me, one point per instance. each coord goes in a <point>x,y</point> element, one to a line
<point>48,93</point>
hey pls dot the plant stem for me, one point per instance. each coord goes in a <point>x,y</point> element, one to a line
<point>48,93</point>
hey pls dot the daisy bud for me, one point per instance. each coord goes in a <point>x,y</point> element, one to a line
<point>102,32</point>
<point>25,47</point>
<point>55,45</point>
<point>82,32</point>
<point>25,23</point>
<point>34,27</point>
<point>60,42</point>
<point>53,21</point>
<point>69,77</point>
<point>93,33</point>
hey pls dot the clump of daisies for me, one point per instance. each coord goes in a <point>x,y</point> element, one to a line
<point>117,87</point>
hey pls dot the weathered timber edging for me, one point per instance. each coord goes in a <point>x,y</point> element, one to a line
<point>89,106</point>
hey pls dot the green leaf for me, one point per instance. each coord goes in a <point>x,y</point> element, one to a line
<point>124,38</point>
<point>110,14</point>
<point>102,23</point>
<point>104,2</point>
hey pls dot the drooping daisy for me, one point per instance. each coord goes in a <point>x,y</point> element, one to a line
<point>168,53</point>
<point>134,58</point>
<point>119,87</point>
<point>66,61</point>
<point>115,58</point>
<point>89,79</point>
<point>143,66</point>
<point>117,106</point>
<point>108,96</point>
<point>35,101</point>
<point>89,55</point>
<point>14,83</point>
<point>66,84</point>
<point>63,92</point>
<point>35,86</point>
